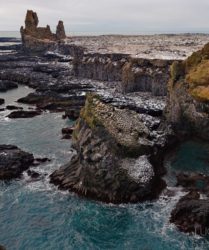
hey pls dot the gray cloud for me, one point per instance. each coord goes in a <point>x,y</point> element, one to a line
<point>111,16</point>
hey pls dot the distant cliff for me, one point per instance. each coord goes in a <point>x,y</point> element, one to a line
<point>36,38</point>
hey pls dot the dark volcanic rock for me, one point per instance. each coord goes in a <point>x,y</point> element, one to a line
<point>191,214</point>
<point>7,85</point>
<point>23,114</point>
<point>33,174</point>
<point>1,101</point>
<point>2,247</point>
<point>113,162</point>
<point>12,107</point>
<point>13,161</point>
<point>67,132</point>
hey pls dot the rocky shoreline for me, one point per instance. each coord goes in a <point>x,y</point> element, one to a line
<point>127,117</point>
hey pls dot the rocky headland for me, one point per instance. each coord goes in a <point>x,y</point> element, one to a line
<point>131,106</point>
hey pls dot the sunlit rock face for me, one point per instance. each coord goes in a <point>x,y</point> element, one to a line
<point>36,38</point>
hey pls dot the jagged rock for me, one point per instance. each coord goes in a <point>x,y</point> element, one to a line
<point>13,161</point>
<point>112,161</point>
<point>36,38</point>
<point>60,32</point>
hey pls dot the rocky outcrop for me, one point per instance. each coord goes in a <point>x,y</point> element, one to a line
<point>191,214</point>
<point>188,100</point>
<point>36,39</point>
<point>60,32</point>
<point>114,156</point>
<point>146,75</point>
<point>13,161</point>
<point>137,74</point>
<point>104,67</point>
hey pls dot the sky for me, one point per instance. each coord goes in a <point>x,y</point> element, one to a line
<point>110,16</point>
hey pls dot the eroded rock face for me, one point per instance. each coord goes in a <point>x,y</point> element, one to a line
<point>188,102</point>
<point>146,75</point>
<point>112,163</point>
<point>13,161</point>
<point>36,38</point>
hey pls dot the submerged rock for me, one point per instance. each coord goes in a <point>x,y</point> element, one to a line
<point>13,161</point>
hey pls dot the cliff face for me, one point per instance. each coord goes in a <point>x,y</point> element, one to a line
<point>104,67</point>
<point>145,75</point>
<point>188,100</point>
<point>36,38</point>
<point>113,161</point>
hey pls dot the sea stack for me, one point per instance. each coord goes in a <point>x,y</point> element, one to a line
<point>36,38</point>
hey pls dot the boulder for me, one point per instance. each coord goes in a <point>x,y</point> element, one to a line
<point>13,161</point>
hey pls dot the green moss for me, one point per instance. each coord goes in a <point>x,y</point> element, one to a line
<point>88,112</point>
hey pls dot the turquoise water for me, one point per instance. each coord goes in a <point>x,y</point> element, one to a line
<point>34,215</point>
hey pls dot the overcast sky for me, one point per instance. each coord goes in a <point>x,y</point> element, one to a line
<point>111,16</point>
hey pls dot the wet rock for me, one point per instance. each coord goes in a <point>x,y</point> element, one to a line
<point>67,132</point>
<point>13,107</point>
<point>191,214</point>
<point>7,85</point>
<point>23,114</point>
<point>13,161</point>
<point>2,247</point>
<point>2,101</point>
<point>33,174</point>
<point>193,182</point>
